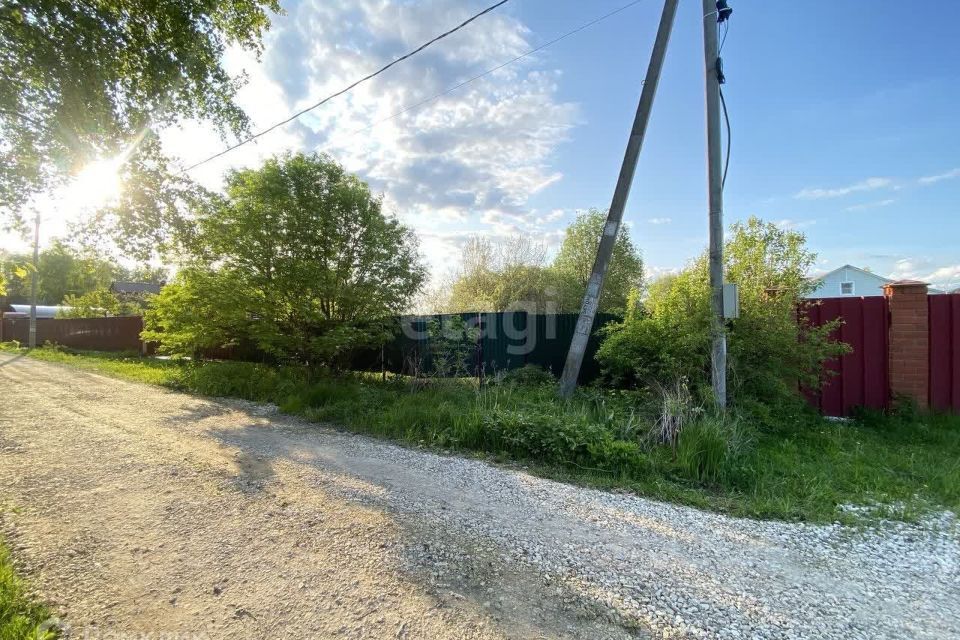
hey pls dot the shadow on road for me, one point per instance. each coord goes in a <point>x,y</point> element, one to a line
<point>457,566</point>
<point>5,362</point>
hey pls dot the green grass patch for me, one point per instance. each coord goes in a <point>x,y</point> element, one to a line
<point>20,616</point>
<point>781,463</point>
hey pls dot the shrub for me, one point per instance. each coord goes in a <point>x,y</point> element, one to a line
<point>529,375</point>
<point>566,438</point>
<point>771,347</point>
<point>638,352</point>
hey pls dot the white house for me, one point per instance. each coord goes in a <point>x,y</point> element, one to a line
<point>849,281</point>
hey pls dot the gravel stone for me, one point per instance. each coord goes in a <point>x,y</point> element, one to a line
<point>117,495</point>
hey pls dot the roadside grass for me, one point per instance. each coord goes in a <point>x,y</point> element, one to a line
<point>781,463</point>
<point>20,616</point>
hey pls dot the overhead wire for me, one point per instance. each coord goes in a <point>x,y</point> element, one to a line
<point>491,70</point>
<point>347,88</point>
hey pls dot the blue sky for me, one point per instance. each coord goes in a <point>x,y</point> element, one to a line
<point>843,113</point>
<point>838,114</point>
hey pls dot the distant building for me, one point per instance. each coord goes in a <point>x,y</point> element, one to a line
<point>849,281</point>
<point>135,287</point>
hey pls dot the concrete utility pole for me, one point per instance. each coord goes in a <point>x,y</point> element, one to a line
<point>32,340</point>
<point>591,299</point>
<point>718,355</point>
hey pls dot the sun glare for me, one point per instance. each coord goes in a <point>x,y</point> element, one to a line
<point>97,185</point>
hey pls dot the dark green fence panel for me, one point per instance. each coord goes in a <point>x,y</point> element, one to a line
<point>504,341</point>
<point>503,337</point>
<point>552,340</point>
<point>553,335</point>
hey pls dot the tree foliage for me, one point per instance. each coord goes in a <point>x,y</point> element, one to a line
<point>514,273</point>
<point>771,347</point>
<point>63,270</point>
<point>496,275</point>
<point>83,80</point>
<point>298,258</point>
<point>574,264</point>
<point>99,303</point>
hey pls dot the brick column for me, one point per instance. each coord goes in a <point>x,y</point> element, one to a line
<point>909,357</point>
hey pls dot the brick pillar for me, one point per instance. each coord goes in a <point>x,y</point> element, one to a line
<point>909,357</point>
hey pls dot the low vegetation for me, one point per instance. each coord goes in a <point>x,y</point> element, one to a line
<point>782,462</point>
<point>20,616</point>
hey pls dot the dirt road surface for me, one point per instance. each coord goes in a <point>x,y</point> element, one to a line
<point>136,510</point>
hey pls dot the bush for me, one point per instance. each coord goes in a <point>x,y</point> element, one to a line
<point>638,353</point>
<point>771,348</point>
<point>565,438</point>
<point>529,375</point>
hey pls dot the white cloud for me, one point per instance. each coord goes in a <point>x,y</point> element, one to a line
<point>552,216</point>
<point>871,205</point>
<point>473,157</point>
<point>660,220</point>
<point>870,184</point>
<point>794,225</point>
<point>654,272</point>
<point>949,175</point>
<point>940,276</point>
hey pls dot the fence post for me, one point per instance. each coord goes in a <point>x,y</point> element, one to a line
<point>909,346</point>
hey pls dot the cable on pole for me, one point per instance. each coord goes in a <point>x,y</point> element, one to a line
<point>726,117</point>
<point>347,88</point>
<point>723,13</point>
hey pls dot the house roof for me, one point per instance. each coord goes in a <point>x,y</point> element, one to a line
<point>850,266</point>
<point>877,276</point>
<point>135,287</point>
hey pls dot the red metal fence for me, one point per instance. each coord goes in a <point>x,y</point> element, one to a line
<point>861,377</point>
<point>945,352</point>
<point>95,334</point>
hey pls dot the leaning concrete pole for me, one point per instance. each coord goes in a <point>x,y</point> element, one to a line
<point>591,299</point>
<point>718,353</point>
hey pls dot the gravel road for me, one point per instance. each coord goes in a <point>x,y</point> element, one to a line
<point>135,510</point>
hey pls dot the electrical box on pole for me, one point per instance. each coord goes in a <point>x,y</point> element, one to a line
<point>731,301</point>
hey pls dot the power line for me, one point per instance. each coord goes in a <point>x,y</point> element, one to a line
<point>527,54</point>
<point>348,88</point>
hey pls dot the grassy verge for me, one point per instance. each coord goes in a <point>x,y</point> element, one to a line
<point>790,464</point>
<point>20,617</point>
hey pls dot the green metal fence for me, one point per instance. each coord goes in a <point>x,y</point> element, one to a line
<point>488,342</point>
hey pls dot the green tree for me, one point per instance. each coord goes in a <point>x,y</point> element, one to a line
<point>574,263</point>
<point>64,271</point>
<point>95,304</point>
<point>770,349</point>
<point>304,257</point>
<point>202,309</point>
<point>61,271</point>
<point>83,80</point>
<point>495,275</point>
